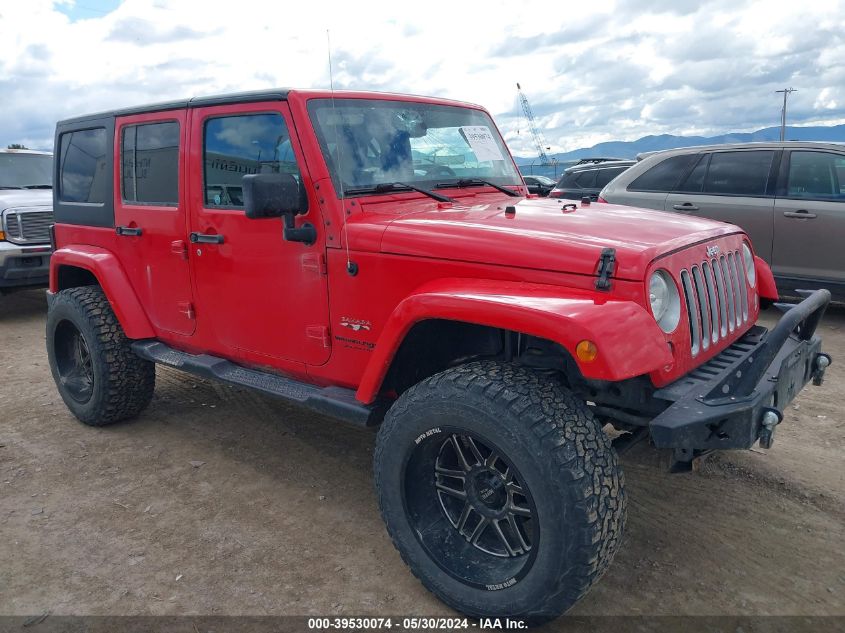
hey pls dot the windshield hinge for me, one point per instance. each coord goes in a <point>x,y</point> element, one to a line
<point>607,263</point>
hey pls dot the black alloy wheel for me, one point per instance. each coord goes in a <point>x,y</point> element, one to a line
<point>73,362</point>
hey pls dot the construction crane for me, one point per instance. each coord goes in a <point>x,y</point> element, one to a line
<point>532,125</point>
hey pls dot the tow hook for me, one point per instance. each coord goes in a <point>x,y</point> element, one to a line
<point>822,363</point>
<point>771,418</point>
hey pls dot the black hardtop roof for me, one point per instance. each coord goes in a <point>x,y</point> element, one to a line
<point>276,94</point>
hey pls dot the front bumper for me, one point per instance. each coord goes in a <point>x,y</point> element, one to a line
<point>739,396</point>
<point>24,265</point>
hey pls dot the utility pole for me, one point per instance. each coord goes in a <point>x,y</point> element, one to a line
<point>786,92</point>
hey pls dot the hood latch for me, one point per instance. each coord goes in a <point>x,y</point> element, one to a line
<point>607,264</point>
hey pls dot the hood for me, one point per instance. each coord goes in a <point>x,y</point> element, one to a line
<point>541,234</point>
<point>25,198</point>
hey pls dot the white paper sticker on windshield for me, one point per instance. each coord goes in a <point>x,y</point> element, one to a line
<point>482,142</point>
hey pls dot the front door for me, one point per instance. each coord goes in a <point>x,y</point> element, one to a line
<point>150,217</point>
<point>810,218</point>
<point>264,299</point>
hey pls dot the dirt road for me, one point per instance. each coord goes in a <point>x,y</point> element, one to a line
<point>220,501</point>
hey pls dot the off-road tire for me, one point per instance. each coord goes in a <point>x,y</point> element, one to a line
<point>123,382</point>
<point>565,459</point>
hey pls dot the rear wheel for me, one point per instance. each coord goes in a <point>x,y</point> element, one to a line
<point>99,377</point>
<point>500,491</point>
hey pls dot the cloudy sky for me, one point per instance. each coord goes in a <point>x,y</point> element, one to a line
<point>593,71</point>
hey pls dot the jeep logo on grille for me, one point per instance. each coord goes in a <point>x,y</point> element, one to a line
<point>712,250</point>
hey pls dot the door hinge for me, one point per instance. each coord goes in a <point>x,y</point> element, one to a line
<point>319,332</point>
<point>187,308</point>
<point>314,262</point>
<point>607,264</point>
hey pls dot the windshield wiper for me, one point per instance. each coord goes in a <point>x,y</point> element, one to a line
<point>37,187</point>
<point>384,187</point>
<point>471,182</point>
<point>10,187</point>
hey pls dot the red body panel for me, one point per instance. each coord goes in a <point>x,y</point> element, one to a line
<point>681,338</point>
<point>539,235</point>
<point>265,300</point>
<point>766,286</point>
<point>566,316</point>
<point>294,308</point>
<point>156,267</point>
<point>106,267</point>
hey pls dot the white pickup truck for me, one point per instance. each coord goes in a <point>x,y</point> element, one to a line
<point>26,213</point>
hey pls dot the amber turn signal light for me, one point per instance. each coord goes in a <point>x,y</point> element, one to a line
<point>586,351</point>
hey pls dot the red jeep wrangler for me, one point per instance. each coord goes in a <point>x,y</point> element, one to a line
<point>377,258</point>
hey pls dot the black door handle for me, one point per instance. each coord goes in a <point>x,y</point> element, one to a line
<point>205,238</point>
<point>128,230</point>
<point>686,206</point>
<point>801,214</point>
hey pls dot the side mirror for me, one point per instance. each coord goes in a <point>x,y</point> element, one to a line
<point>278,195</point>
<point>272,196</point>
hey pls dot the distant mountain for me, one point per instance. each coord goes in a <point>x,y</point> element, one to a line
<point>630,149</point>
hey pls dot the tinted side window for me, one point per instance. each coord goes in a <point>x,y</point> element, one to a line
<point>586,179</point>
<point>739,173</point>
<point>664,176</point>
<point>606,175</point>
<point>694,182</point>
<point>816,175</point>
<point>82,158</point>
<point>567,182</point>
<point>149,163</point>
<point>235,146</point>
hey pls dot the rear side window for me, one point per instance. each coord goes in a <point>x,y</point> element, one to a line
<point>586,179</point>
<point>567,181</point>
<point>235,146</point>
<point>606,175</point>
<point>739,173</point>
<point>664,176</point>
<point>82,175</point>
<point>816,175</point>
<point>149,163</point>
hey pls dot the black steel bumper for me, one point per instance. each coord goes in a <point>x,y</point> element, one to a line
<point>739,396</point>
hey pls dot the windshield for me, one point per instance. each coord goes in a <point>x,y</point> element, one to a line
<point>20,171</point>
<point>371,142</point>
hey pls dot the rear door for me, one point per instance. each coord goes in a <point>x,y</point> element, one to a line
<point>732,186</point>
<point>262,297</point>
<point>810,217</point>
<point>150,216</point>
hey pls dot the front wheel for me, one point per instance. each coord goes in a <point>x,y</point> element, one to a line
<point>500,491</point>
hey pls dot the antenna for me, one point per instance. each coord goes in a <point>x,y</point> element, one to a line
<point>351,267</point>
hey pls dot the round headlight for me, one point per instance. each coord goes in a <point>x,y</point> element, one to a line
<point>750,268</point>
<point>665,300</point>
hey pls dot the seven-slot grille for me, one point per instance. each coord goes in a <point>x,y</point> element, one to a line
<point>28,225</point>
<point>716,294</point>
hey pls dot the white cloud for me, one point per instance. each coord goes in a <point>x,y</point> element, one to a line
<point>593,72</point>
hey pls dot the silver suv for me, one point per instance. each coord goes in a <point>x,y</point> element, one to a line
<point>26,213</point>
<point>789,197</point>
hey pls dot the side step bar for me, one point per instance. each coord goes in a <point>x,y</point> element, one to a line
<point>336,402</point>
